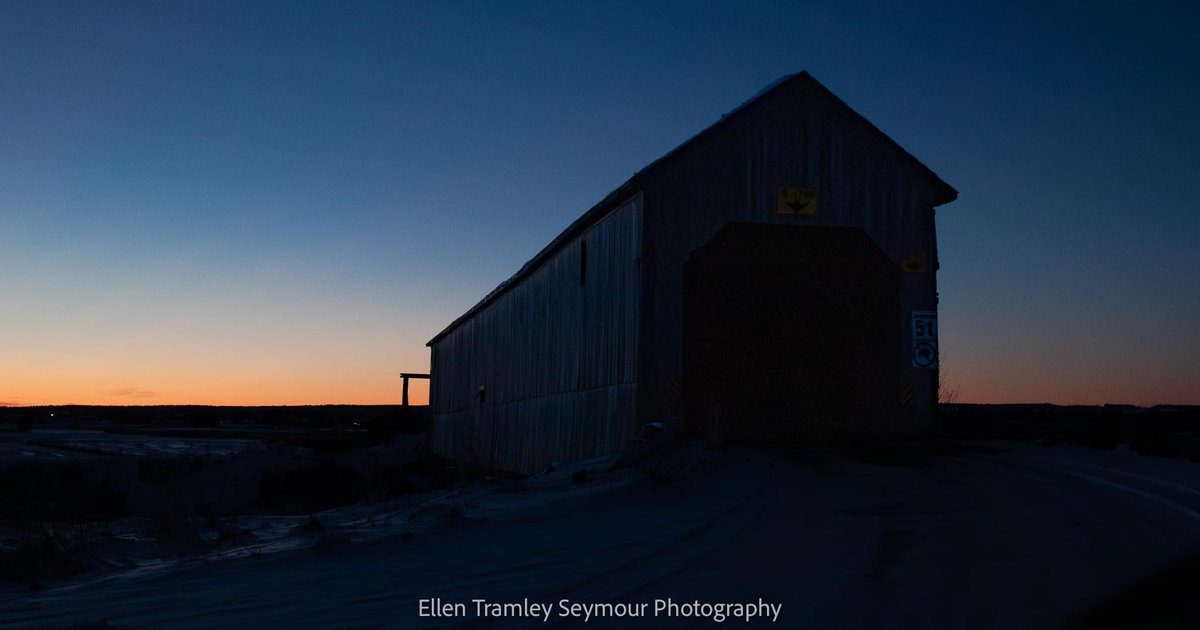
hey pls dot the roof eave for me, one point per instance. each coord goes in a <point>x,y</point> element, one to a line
<point>578,226</point>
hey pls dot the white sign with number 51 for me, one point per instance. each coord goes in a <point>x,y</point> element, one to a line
<point>924,339</point>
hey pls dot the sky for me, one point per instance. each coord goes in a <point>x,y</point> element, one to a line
<point>280,203</point>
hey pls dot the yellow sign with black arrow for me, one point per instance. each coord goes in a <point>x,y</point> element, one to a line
<point>797,201</point>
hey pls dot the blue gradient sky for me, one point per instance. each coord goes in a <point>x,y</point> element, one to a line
<point>279,203</point>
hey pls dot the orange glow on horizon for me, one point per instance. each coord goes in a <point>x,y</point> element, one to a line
<point>341,370</point>
<point>244,394</point>
<point>251,382</point>
<point>387,390</point>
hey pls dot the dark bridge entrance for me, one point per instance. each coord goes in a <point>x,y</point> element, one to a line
<point>791,331</point>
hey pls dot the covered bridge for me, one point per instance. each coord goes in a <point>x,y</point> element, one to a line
<point>773,276</point>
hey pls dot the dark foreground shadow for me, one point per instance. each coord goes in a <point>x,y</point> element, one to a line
<point>1169,598</point>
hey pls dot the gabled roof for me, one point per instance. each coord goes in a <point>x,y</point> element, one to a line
<point>944,193</point>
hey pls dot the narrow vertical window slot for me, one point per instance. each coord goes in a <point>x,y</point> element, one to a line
<point>583,262</point>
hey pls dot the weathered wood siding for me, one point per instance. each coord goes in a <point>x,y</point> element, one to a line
<point>556,358</point>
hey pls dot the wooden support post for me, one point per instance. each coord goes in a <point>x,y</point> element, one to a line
<point>406,376</point>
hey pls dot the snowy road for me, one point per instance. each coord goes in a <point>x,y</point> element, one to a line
<point>967,536</point>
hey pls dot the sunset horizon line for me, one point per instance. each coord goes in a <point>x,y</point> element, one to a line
<point>18,405</point>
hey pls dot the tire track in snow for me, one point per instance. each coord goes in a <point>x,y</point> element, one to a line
<point>1054,467</point>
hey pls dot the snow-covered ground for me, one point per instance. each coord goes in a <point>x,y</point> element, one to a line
<point>62,443</point>
<point>964,535</point>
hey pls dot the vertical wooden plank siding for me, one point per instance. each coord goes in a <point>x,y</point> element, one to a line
<point>556,356</point>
